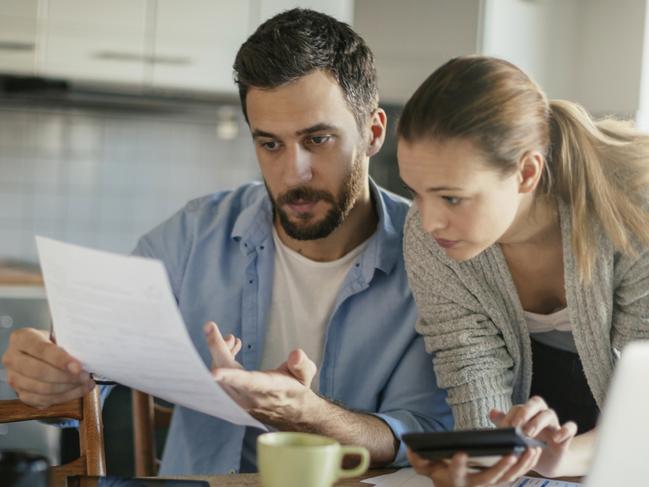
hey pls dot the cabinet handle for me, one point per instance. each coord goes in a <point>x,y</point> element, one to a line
<point>175,60</point>
<point>134,57</point>
<point>16,46</point>
<point>118,56</point>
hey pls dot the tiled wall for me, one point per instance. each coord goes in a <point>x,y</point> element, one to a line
<point>103,178</point>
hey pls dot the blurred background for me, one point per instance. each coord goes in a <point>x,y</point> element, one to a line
<point>115,113</point>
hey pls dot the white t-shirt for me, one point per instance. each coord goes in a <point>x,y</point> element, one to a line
<point>303,298</point>
<point>553,330</point>
<point>557,321</point>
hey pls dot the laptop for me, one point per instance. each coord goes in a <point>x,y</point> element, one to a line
<point>622,452</point>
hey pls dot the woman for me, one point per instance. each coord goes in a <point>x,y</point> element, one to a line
<point>527,253</point>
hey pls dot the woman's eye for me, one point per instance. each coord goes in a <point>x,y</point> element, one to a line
<point>452,200</point>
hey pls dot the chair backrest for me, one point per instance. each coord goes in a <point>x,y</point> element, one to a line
<point>148,416</point>
<point>87,410</point>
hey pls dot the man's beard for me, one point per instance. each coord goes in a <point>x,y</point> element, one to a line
<point>340,206</point>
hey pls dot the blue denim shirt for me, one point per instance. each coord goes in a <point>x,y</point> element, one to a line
<point>219,254</point>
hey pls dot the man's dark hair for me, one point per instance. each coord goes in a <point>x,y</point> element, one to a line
<point>297,42</point>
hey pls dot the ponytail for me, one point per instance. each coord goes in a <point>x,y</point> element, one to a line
<point>601,170</point>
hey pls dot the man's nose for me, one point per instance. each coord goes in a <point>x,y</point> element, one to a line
<point>297,166</point>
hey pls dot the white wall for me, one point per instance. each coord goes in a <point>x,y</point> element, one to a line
<point>411,38</point>
<point>610,56</point>
<point>589,51</point>
<point>541,37</point>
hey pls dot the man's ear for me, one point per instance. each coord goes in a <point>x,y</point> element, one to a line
<point>377,128</point>
<point>531,167</point>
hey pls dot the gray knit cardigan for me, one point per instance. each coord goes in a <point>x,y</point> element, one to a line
<point>473,324</point>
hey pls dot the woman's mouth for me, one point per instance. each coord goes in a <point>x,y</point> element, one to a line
<point>447,244</point>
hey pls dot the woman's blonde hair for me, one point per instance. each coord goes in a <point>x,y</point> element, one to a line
<point>600,169</point>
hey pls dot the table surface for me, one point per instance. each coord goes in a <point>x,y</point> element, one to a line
<point>252,479</point>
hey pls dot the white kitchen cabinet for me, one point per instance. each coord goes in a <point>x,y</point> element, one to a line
<point>342,10</point>
<point>164,44</point>
<point>196,42</point>
<point>18,36</point>
<point>96,40</point>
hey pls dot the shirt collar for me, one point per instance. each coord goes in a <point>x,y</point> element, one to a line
<point>253,227</point>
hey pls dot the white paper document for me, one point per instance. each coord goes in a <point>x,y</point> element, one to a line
<point>406,477</point>
<point>118,316</point>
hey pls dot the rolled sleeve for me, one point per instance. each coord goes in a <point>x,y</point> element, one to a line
<point>401,422</point>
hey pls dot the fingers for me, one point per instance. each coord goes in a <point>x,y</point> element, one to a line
<point>219,349</point>
<point>234,344</point>
<point>422,465</point>
<point>35,368</point>
<point>28,342</point>
<point>544,419</point>
<point>565,433</point>
<point>496,416</point>
<point>523,464</point>
<point>520,414</point>
<point>301,367</point>
<point>44,401</point>
<point>34,386</point>
<point>41,372</point>
<point>489,476</point>
<point>458,470</point>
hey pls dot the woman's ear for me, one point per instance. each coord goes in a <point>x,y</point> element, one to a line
<point>377,128</point>
<point>531,167</point>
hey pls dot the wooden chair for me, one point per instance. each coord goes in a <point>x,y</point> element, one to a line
<point>91,436</point>
<point>148,416</point>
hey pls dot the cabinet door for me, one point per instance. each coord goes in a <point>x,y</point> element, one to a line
<point>196,42</point>
<point>18,30</point>
<point>96,40</point>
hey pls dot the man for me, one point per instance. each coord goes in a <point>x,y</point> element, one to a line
<point>306,270</point>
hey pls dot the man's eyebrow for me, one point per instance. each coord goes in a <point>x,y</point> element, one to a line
<point>261,133</point>
<point>435,189</point>
<point>318,127</point>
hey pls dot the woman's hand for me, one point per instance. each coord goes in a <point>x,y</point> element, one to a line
<point>537,420</point>
<point>457,473</point>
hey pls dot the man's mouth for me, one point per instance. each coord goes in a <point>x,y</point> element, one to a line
<point>302,206</point>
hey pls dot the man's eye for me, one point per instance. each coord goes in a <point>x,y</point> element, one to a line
<point>271,145</point>
<point>452,200</point>
<point>318,139</point>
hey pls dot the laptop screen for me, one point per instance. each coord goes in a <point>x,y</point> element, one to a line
<point>622,451</point>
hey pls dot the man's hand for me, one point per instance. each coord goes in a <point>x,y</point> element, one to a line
<point>223,350</point>
<point>280,397</point>
<point>41,372</point>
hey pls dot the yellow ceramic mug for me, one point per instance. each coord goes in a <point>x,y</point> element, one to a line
<point>305,460</point>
